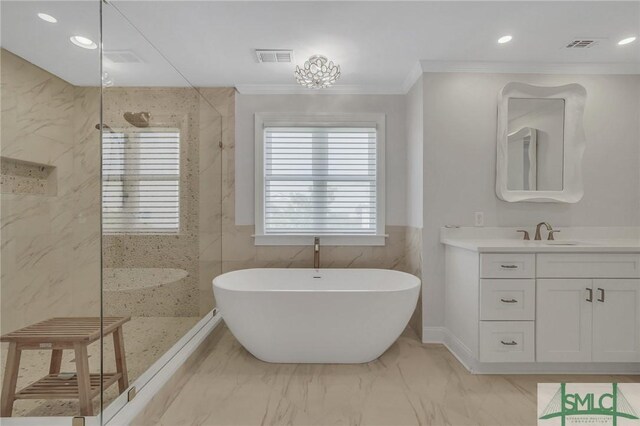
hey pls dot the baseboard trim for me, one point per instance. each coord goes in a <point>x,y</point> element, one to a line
<point>459,350</point>
<point>466,357</point>
<point>433,334</point>
<point>557,368</point>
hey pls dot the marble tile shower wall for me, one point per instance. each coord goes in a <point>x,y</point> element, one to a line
<point>214,185</point>
<point>50,240</point>
<point>200,185</point>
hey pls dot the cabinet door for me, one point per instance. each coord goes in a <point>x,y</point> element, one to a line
<point>563,320</point>
<point>616,320</point>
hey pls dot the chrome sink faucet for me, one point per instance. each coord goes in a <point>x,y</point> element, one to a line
<point>316,253</point>
<point>538,237</point>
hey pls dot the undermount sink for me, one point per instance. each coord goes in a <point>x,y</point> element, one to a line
<point>564,243</point>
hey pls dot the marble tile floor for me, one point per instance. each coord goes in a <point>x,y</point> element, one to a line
<point>145,338</point>
<point>411,384</point>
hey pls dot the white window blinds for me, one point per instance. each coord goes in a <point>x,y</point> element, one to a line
<point>141,181</point>
<point>320,181</point>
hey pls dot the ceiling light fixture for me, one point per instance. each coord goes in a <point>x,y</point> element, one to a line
<point>47,18</point>
<point>626,41</point>
<point>317,73</point>
<point>504,39</point>
<point>83,42</point>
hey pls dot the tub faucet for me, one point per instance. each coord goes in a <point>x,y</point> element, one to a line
<point>538,236</point>
<point>316,253</point>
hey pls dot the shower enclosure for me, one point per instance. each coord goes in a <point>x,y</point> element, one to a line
<point>111,215</point>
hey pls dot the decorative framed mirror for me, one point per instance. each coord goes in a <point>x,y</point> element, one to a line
<point>540,143</point>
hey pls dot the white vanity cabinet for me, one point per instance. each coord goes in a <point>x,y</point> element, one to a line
<point>565,319</point>
<point>616,320</point>
<point>507,307</point>
<point>583,320</point>
<point>588,307</point>
<point>543,311</point>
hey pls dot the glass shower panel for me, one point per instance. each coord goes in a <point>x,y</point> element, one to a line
<point>50,208</point>
<point>161,199</point>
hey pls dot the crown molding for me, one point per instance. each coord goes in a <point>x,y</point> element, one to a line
<point>295,89</point>
<point>414,74</point>
<point>530,68</point>
<point>427,66</point>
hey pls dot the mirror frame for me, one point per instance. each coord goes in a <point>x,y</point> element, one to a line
<point>575,97</point>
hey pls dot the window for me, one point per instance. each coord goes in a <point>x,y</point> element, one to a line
<point>320,178</point>
<point>141,181</point>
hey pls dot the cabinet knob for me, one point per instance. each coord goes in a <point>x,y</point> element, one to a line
<point>509,266</point>
<point>508,300</point>
<point>601,298</point>
<point>511,343</point>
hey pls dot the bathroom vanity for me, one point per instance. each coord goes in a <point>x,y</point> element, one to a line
<point>570,305</point>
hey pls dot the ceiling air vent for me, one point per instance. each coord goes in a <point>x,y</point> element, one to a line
<point>274,55</point>
<point>583,43</point>
<point>122,57</point>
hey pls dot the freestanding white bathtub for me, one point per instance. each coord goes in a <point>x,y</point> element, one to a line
<point>316,316</point>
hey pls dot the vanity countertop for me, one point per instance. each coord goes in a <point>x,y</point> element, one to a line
<point>520,246</point>
<point>592,240</point>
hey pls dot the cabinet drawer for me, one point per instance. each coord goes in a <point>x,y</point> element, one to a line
<point>507,265</point>
<point>507,299</point>
<point>588,265</point>
<point>507,341</point>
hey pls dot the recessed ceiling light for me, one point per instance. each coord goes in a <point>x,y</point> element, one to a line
<point>626,40</point>
<point>47,18</point>
<point>504,39</point>
<point>83,42</point>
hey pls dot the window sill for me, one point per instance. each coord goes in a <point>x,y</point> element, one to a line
<point>325,240</point>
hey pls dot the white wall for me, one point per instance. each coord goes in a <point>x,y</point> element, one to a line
<point>460,155</point>
<point>415,139</point>
<point>392,105</point>
<point>454,115</point>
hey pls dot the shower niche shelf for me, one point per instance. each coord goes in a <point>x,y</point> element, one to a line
<point>24,177</point>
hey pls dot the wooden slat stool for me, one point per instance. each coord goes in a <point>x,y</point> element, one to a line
<point>57,334</point>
